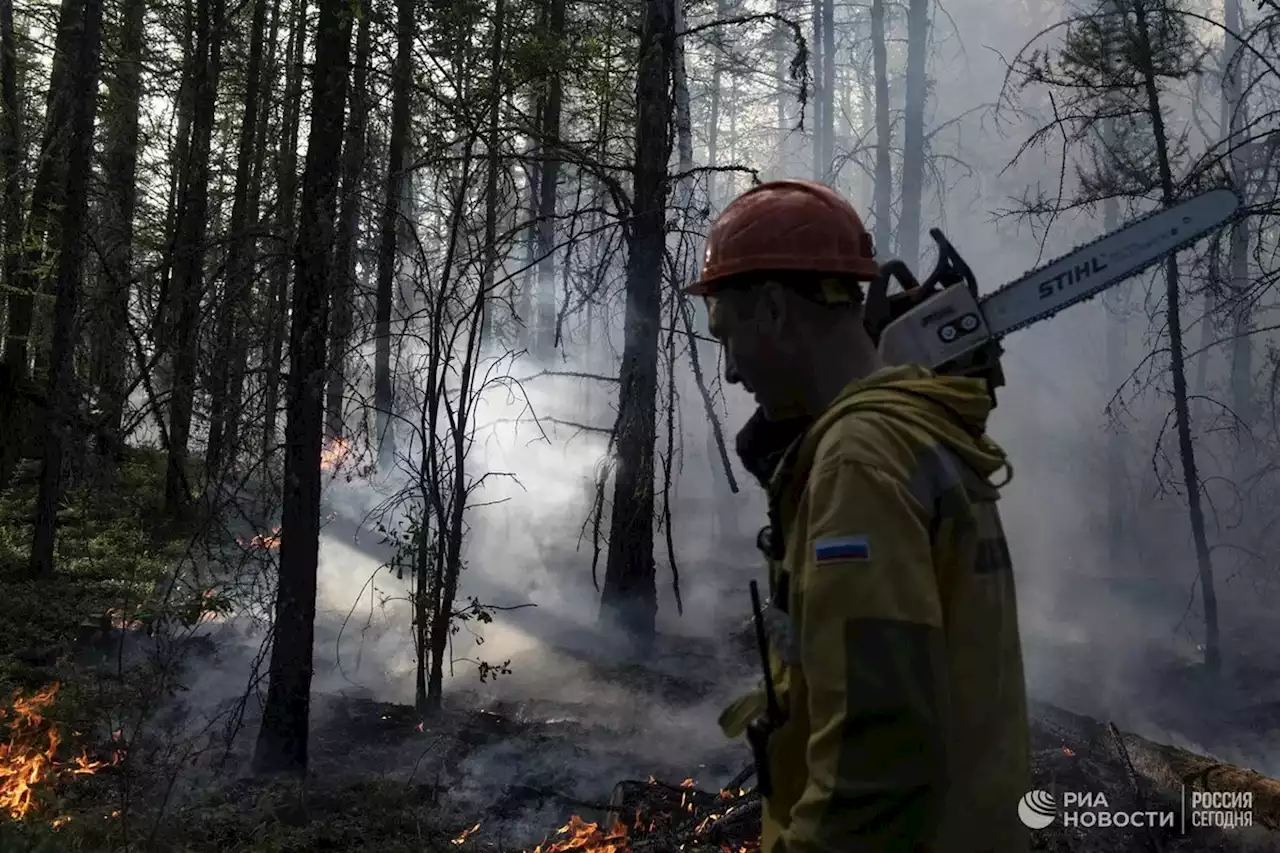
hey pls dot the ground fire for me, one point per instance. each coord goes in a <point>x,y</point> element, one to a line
<point>652,816</point>
<point>28,760</point>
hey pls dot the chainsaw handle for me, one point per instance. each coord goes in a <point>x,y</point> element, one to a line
<point>950,268</point>
<point>881,309</point>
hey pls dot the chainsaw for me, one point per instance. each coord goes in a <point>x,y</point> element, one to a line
<point>943,324</point>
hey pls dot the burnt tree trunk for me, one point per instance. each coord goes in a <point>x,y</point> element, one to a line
<point>629,601</point>
<point>913,132</point>
<point>344,263</point>
<point>282,741</point>
<point>82,105</point>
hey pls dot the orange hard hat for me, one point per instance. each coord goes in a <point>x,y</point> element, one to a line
<point>787,225</point>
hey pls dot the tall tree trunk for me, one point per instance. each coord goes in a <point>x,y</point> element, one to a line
<point>883,202</point>
<point>286,211</point>
<point>782,44</point>
<point>47,191</point>
<point>185,109</point>
<point>188,285</point>
<point>1116,305</point>
<point>120,170</point>
<point>234,315</point>
<point>82,94</point>
<point>629,599</point>
<point>827,113</point>
<point>1236,112</point>
<point>1212,650</point>
<point>913,132</point>
<point>11,172</point>
<point>683,115</point>
<point>282,741</point>
<point>713,118</point>
<point>549,177</point>
<point>815,11</point>
<point>493,166</point>
<point>393,193</point>
<point>344,264</point>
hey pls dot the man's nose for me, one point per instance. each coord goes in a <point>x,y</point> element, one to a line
<point>731,370</point>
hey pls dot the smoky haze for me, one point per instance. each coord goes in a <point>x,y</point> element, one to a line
<point>1108,631</point>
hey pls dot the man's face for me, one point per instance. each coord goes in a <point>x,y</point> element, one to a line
<point>758,354</point>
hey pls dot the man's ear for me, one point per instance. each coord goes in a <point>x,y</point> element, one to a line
<point>772,306</point>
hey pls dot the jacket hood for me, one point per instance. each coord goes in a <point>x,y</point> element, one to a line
<point>952,409</point>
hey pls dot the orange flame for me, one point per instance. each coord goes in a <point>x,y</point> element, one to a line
<point>583,837</point>
<point>1066,750</point>
<point>333,453</point>
<point>28,761</point>
<point>267,542</point>
<point>462,836</point>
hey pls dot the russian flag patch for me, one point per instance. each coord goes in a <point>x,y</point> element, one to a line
<point>842,548</point>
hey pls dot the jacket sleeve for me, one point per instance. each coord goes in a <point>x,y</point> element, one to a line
<point>873,656</point>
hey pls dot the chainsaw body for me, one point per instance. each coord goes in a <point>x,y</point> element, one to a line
<point>936,323</point>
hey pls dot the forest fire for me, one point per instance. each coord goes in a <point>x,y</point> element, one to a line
<point>334,452</point>
<point>583,837</point>
<point>27,759</point>
<point>265,541</point>
<point>653,816</point>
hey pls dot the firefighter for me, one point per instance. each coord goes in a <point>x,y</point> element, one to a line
<point>892,625</point>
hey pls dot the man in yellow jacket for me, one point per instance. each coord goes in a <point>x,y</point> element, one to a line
<point>893,628</point>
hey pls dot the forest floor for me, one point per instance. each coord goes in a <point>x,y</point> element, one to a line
<point>123,766</point>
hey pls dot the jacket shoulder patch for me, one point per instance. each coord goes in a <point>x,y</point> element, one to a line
<point>841,549</point>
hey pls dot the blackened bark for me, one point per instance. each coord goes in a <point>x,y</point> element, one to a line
<point>82,102</point>
<point>188,284</point>
<point>629,601</point>
<point>913,132</point>
<point>233,317</point>
<point>282,741</point>
<point>393,192</point>
<point>344,265</point>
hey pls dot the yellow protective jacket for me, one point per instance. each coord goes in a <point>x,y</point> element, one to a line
<point>893,630</point>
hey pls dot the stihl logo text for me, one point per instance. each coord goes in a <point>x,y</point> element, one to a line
<point>1072,276</point>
